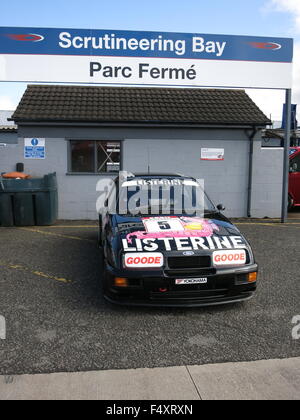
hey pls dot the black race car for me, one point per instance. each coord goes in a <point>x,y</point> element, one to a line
<point>166,244</point>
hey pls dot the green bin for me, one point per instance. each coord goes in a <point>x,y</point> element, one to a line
<point>28,202</point>
<point>6,212</point>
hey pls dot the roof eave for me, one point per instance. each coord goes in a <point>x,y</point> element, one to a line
<point>8,130</point>
<point>143,124</point>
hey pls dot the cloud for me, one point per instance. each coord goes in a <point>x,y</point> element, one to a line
<point>271,102</point>
<point>6,103</point>
<point>286,6</point>
<point>296,84</point>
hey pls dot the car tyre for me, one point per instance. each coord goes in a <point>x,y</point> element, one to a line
<point>100,240</point>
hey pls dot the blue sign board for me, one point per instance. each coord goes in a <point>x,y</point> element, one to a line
<point>83,42</point>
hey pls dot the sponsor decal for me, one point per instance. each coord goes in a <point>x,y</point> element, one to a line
<point>143,260</point>
<point>222,258</point>
<point>26,37</point>
<point>266,45</point>
<point>191,281</point>
<point>184,244</point>
<point>174,227</point>
<point>162,182</point>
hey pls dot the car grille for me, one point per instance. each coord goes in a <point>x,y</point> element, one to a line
<point>175,263</point>
<point>189,294</point>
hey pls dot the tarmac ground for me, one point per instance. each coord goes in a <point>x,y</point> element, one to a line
<point>57,320</point>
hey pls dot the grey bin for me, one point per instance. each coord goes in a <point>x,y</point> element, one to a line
<point>28,202</point>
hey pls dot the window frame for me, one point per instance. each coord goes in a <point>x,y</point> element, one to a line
<point>295,159</point>
<point>69,163</point>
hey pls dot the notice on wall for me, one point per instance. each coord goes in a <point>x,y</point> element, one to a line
<point>212,154</point>
<point>34,148</point>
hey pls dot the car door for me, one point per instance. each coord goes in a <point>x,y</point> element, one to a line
<point>294,179</point>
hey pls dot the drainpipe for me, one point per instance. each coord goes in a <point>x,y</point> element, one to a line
<point>251,135</point>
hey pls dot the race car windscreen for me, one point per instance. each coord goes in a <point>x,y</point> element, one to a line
<point>163,197</point>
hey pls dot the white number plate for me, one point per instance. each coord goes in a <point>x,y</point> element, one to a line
<point>191,281</point>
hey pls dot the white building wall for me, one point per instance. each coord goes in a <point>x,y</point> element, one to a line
<point>226,181</point>
<point>267,182</point>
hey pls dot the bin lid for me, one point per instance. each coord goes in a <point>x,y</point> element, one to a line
<point>16,175</point>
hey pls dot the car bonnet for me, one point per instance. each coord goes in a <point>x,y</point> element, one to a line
<point>176,233</point>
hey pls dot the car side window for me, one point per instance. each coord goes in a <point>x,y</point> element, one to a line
<point>295,164</point>
<point>109,197</point>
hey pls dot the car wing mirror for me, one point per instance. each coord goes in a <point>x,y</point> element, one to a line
<point>221,207</point>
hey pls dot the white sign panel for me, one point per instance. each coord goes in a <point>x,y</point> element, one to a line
<point>212,154</point>
<point>34,148</point>
<point>158,71</point>
<point>144,58</point>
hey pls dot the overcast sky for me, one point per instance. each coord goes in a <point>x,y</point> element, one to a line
<point>280,18</point>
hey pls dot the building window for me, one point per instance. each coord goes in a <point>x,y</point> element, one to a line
<point>95,156</point>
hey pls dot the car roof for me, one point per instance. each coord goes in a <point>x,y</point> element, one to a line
<point>296,150</point>
<point>153,175</point>
<point>158,175</point>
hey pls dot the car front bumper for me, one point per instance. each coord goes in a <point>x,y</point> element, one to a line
<point>159,289</point>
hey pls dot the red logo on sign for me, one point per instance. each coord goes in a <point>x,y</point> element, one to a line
<point>266,45</point>
<point>26,37</point>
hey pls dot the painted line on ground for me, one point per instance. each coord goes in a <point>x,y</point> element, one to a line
<point>267,222</point>
<point>71,227</point>
<point>20,267</point>
<point>59,235</point>
<point>271,224</point>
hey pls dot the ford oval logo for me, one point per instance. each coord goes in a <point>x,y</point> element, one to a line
<point>188,253</point>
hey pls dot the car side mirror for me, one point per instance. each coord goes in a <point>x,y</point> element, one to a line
<point>220,207</point>
<point>106,203</point>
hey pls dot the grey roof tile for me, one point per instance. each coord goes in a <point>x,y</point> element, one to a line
<point>50,103</point>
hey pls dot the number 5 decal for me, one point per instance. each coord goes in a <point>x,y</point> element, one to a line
<point>159,224</point>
